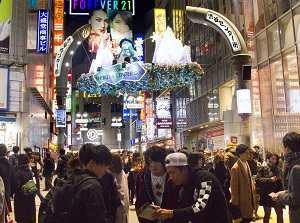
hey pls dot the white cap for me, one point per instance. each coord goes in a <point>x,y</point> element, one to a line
<point>176,159</point>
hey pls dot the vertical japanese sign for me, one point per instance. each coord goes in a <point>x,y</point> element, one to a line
<point>4,88</point>
<point>178,24</point>
<point>140,47</point>
<point>160,23</point>
<point>255,93</point>
<point>5,25</point>
<point>43,31</point>
<point>58,33</point>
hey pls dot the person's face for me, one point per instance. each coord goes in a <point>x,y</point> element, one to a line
<point>245,156</point>
<point>251,156</point>
<point>273,159</point>
<point>178,177</point>
<point>99,22</point>
<point>156,168</point>
<point>98,169</point>
<point>200,162</point>
<point>124,155</point>
<point>286,150</point>
<point>119,24</point>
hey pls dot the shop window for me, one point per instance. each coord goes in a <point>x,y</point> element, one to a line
<point>209,80</point>
<point>283,6</point>
<point>262,47</point>
<point>295,2</point>
<point>296,17</point>
<point>204,85</point>
<point>214,75</point>
<point>271,15</point>
<point>249,20</point>
<point>286,30</point>
<point>259,15</point>
<point>273,40</point>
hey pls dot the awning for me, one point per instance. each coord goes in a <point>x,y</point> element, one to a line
<point>40,99</point>
<point>7,119</point>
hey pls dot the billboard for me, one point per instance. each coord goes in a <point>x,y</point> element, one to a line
<point>4,88</point>
<point>160,23</point>
<point>5,25</point>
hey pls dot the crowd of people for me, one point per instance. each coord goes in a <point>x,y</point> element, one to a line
<point>174,186</point>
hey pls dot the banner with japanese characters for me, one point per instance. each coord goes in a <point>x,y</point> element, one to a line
<point>43,31</point>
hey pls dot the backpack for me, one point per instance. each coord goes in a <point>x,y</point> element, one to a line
<point>57,205</point>
<point>29,188</point>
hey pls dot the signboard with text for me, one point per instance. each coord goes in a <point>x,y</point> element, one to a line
<point>4,88</point>
<point>43,31</point>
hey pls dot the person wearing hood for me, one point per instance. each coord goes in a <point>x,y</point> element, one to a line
<point>230,157</point>
<point>24,205</point>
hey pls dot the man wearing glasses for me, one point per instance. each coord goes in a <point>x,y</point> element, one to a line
<point>153,184</point>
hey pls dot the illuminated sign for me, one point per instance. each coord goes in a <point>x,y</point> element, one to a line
<point>60,55</point>
<point>160,23</point>
<point>140,47</point>
<point>226,29</point>
<point>83,7</point>
<point>39,78</point>
<point>243,101</point>
<point>42,31</point>
<point>58,26</point>
<point>178,23</point>
<point>4,88</point>
<point>60,118</point>
<point>126,111</point>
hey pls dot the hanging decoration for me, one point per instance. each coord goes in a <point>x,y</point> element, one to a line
<point>171,68</point>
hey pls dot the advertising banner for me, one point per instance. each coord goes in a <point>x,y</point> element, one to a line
<point>163,113</point>
<point>58,26</point>
<point>60,118</point>
<point>4,88</point>
<point>160,23</point>
<point>93,136</point>
<point>5,25</point>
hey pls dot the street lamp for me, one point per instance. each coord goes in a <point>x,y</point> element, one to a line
<point>117,122</point>
<point>82,120</point>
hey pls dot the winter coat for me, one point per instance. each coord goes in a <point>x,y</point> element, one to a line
<point>265,185</point>
<point>62,167</point>
<point>201,200</point>
<point>8,174</point>
<point>48,167</point>
<point>123,192</point>
<point>242,189</point>
<point>2,201</point>
<point>13,159</point>
<point>111,198</point>
<point>230,157</point>
<point>89,206</point>
<point>291,197</point>
<point>145,194</point>
<point>24,205</point>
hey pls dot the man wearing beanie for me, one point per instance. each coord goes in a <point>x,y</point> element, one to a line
<point>201,199</point>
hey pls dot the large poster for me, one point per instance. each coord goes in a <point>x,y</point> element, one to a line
<point>4,88</point>
<point>5,25</point>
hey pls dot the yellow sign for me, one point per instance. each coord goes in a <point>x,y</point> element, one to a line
<point>91,95</point>
<point>160,23</point>
<point>178,24</point>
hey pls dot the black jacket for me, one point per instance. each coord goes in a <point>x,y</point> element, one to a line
<point>24,206</point>
<point>89,206</point>
<point>202,200</point>
<point>62,167</point>
<point>13,159</point>
<point>8,174</point>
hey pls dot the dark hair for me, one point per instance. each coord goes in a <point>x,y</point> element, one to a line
<point>194,157</point>
<point>270,154</point>
<point>3,149</point>
<point>125,15</point>
<point>116,163</point>
<point>184,151</point>
<point>292,141</point>
<point>74,163</point>
<point>156,154</point>
<point>100,154</point>
<point>62,151</point>
<point>240,149</point>
<point>16,149</point>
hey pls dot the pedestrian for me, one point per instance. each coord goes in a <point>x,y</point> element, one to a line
<point>48,170</point>
<point>120,177</point>
<point>196,159</point>
<point>201,198</point>
<point>89,206</point>
<point>14,157</point>
<point>2,201</point>
<point>291,196</point>
<point>33,163</point>
<point>62,165</point>
<point>242,186</point>
<point>8,175</point>
<point>24,205</point>
<point>136,166</point>
<point>153,184</point>
<point>268,180</point>
<point>230,157</point>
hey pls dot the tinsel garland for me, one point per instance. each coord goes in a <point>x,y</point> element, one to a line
<point>157,77</point>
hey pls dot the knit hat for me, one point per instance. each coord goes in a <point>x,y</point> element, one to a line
<point>176,159</point>
<point>23,159</point>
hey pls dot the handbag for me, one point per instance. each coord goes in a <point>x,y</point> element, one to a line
<point>29,188</point>
<point>9,220</point>
<point>234,211</point>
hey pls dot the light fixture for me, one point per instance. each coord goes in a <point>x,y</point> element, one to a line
<point>78,115</point>
<point>78,42</point>
<point>72,52</point>
<point>67,64</point>
<point>85,115</point>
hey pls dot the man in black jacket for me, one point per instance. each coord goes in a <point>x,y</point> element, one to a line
<point>8,175</point>
<point>201,200</point>
<point>89,205</point>
<point>13,159</point>
<point>62,164</point>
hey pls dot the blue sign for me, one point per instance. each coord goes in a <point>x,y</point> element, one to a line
<point>43,31</point>
<point>114,74</point>
<point>138,126</point>
<point>140,47</point>
<point>126,111</point>
<point>60,118</point>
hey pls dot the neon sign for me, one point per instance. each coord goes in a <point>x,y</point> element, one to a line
<point>43,29</point>
<point>83,7</point>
